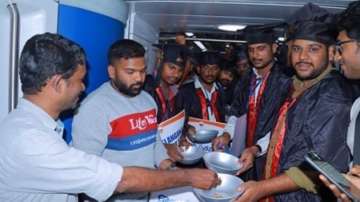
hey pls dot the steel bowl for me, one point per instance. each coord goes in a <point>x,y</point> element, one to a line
<point>191,155</point>
<point>203,135</point>
<point>222,162</point>
<point>225,192</point>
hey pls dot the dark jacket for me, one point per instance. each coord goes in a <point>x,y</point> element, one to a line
<point>318,121</point>
<point>187,99</point>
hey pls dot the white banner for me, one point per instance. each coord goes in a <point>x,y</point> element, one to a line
<point>170,130</point>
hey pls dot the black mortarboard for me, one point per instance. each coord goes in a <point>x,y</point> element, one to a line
<point>259,34</point>
<point>313,23</point>
<point>209,58</point>
<point>176,54</point>
<point>240,53</point>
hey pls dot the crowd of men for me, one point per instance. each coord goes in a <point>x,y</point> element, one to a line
<point>291,107</point>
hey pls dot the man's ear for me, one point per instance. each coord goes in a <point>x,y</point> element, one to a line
<point>332,52</point>
<point>198,69</point>
<point>56,82</point>
<point>274,47</point>
<point>111,71</point>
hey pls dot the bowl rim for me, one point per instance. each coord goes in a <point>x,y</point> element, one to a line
<point>193,137</point>
<point>209,164</point>
<point>237,193</point>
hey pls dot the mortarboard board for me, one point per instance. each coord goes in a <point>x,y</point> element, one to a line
<point>176,54</point>
<point>259,34</point>
<point>313,23</point>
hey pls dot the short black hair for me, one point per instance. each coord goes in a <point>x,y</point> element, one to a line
<point>125,48</point>
<point>349,20</point>
<point>46,55</point>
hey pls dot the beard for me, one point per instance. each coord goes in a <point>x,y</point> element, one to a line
<point>263,64</point>
<point>131,91</point>
<point>207,79</point>
<point>314,73</point>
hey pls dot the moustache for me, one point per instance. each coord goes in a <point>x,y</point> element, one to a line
<point>305,63</point>
<point>136,84</point>
<point>256,60</point>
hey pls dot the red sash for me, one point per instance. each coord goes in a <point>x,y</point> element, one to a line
<point>253,109</point>
<point>163,101</point>
<point>278,147</point>
<point>205,103</point>
<point>281,127</point>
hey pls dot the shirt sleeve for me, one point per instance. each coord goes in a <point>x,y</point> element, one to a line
<point>230,126</point>
<point>263,143</point>
<point>90,129</point>
<point>301,179</point>
<point>44,163</point>
<point>160,152</point>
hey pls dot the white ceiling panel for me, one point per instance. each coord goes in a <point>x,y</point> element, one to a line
<point>205,16</point>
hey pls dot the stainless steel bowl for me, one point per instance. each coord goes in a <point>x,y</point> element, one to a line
<point>222,162</point>
<point>225,192</point>
<point>203,135</point>
<point>191,154</point>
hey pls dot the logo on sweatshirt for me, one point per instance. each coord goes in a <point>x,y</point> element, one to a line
<point>133,131</point>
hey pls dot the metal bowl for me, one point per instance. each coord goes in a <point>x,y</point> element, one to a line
<point>191,155</point>
<point>222,162</point>
<point>203,135</point>
<point>225,192</point>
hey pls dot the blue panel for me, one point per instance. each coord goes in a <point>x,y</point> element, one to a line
<point>95,33</point>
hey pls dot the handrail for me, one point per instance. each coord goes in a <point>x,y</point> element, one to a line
<point>14,55</point>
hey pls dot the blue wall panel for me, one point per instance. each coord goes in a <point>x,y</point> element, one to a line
<point>95,33</point>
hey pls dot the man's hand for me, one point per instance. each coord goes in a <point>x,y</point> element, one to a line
<point>184,142</point>
<point>341,196</point>
<point>251,192</point>
<point>166,164</point>
<point>355,171</point>
<point>202,178</point>
<point>353,176</point>
<point>247,158</point>
<point>222,141</point>
<point>173,152</point>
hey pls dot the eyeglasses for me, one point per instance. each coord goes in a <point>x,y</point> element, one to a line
<point>339,44</point>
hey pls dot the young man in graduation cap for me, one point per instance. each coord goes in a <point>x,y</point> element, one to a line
<point>164,88</point>
<point>313,117</point>
<point>258,95</point>
<point>202,98</point>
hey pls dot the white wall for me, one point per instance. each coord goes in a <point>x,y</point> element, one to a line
<point>141,31</point>
<point>35,17</point>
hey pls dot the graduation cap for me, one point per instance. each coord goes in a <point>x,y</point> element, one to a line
<point>313,23</point>
<point>266,33</point>
<point>240,53</point>
<point>259,34</point>
<point>209,58</point>
<point>176,54</point>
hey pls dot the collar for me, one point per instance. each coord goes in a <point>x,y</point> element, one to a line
<point>198,84</point>
<point>43,117</point>
<point>300,86</point>
<point>256,73</point>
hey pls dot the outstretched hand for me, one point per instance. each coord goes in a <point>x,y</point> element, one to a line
<point>203,178</point>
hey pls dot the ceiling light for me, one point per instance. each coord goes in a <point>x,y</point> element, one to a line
<point>189,34</point>
<point>231,28</point>
<point>282,39</point>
